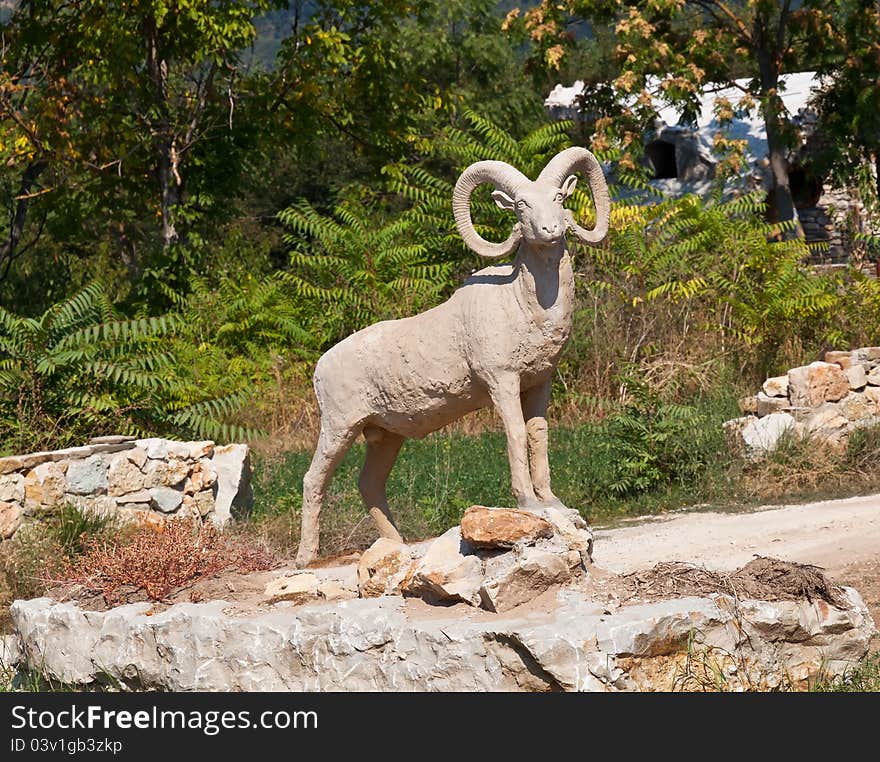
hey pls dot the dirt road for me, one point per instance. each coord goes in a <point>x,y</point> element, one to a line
<point>833,534</point>
<point>843,536</point>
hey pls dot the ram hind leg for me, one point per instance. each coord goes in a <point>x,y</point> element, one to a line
<point>383,448</point>
<point>331,448</point>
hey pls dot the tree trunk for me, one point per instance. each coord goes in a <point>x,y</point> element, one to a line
<point>9,248</point>
<point>169,190</point>
<point>772,110</point>
<point>167,175</point>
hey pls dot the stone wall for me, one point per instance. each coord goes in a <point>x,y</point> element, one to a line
<point>831,222</point>
<point>823,400</point>
<point>127,478</point>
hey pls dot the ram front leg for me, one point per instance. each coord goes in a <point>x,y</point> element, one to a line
<point>534,407</point>
<point>505,397</point>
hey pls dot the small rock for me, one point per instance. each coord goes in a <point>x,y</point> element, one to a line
<point>44,486</point>
<point>12,488</point>
<point>512,579</point>
<point>867,354</point>
<point>825,421</point>
<point>111,439</point>
<point>87,477</point>
<point>873,377</point>
<point>141,515</point>
<point>10,464</point>
<point>176,472</point>
<point>767,405</point>
<point>570,527</point>
<point>382,568</point>
<point>156,448</point>
<point>843,359</point>
<point>777,386</point>
<point>856,406</point>
<point>10,519</point>
<point>138,456</point>
<point>202,503</point>
<point>856,376</point>
<point>124,476</point>
<point>199,450</point>
<point>299,588</point>
<point>872,394</point>
<point>748,404</point>
<point>139,496</point>
<point>447,572</point>
<point>485,527</point>
<point>201,477</point>
<point>166,499</point>
<point>333,590</point>
<point>818,382</point>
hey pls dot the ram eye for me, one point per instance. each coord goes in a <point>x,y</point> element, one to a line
<point>521,204</point>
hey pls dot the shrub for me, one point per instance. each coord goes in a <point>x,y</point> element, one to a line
<point>80,369</point>
<point>159,560</point>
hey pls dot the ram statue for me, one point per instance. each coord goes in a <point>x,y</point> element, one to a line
<point>496,341</point>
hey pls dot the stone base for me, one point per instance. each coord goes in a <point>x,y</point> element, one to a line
<point>563,641</point>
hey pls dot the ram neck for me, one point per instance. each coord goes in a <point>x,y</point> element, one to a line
<point>546,281</point>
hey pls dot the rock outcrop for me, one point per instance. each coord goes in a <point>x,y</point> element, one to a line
<point>385,644</point>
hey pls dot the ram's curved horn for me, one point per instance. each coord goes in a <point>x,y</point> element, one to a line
<point>504,178</point>
<point>580,159</point>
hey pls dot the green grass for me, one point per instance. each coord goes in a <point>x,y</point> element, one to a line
<point>865,678</point>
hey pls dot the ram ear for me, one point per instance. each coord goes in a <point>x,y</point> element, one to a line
<point>503,200</point>
<point>569,185</point>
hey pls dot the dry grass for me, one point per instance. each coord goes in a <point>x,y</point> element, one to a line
<point>159,560</point>
<point>806,467</point>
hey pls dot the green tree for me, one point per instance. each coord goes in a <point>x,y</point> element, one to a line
<point>118,104</point>
<point>687,44</point>
<point>850,106</point>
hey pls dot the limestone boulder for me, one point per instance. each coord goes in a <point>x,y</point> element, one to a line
<point>856,376</point>
<point>380,644</point>
<point>873,377</point>
<point>297,588</point>
<point>843,359</point>
<point>449,571</point>
<point>777,386</point>
<point>124,475</point>
<point>233,493</point>
<point>484,527</point>
<point>44,486</point>
<point>818,382</point>
<point>382,568</point>
<point>856,406</point>
<point>165,499</point>
<point>336,590</point>
<point>570,532</point>
<point>870,356</point>
<point>755,437</point>
<point>512,579</point>
<point>767,405</point>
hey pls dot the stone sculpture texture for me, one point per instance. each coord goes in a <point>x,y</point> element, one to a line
<point>496,341</point>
